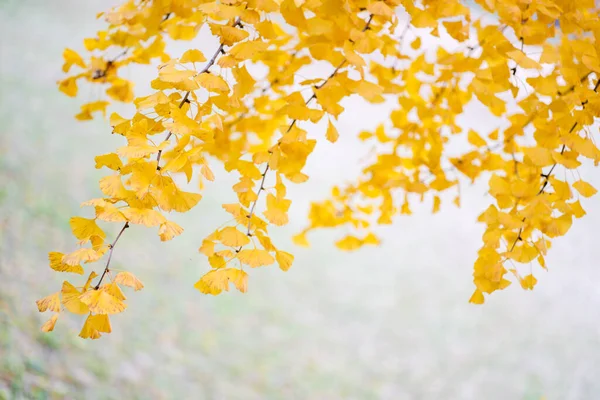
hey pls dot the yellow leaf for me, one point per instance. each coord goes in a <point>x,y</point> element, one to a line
<point>81,255</point>
<point>539,156</point>
<point>112,186</point>
<point>51,303</point>
<point>143,216</point>
<point>168,73</point>
<point>88,283</point>
<point>68,86</point>
<point>72,58</point>
<point>49,325</point>
<point>232,237</point>
<point>238,277</point>
<point>128,279</point>
<point>212,83</point>
<point>207,248</point>
<point>213,282</point>
<point>70,299</point>
<point>277,210</point>
<point>477,297</point>
<point>102,302</point>
<point>229,35</point>
<point>476,140</point>
<point>57,264</point>
<point>577,209</point>
<point>301,240</point>
<point>84,228</point>
<point>332,133</point>
<point>436,204</point>
<point>381,9</point>
<point>192,56</point>
<point>528,282</point>
<point>247,50</point>
<point>217,261</point>
<point>110,160</point>
<point>255,258</point>
<point>349,243</point>
<point>94,324</point>
<point>522,60</point>
<point>584,188</point>
<point>284,259</point>
<point>168,230</point>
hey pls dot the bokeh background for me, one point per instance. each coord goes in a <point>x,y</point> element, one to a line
<point>391,322</point>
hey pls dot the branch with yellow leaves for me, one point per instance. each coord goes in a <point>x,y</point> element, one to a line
<point>547,175</point>
<point>220,50</point>
<point>290,127</point>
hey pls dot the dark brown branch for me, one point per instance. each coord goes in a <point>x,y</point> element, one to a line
<point>292,124</point>
<point>547,175</point>
<point>110,253</point>
<point>220,50</point>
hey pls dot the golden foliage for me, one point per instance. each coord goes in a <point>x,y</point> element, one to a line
<point>535,65</point>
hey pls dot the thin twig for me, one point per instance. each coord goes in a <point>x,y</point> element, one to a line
<point>547,175</point>
<point>187,94</point>
<point>290,127</point>
<point>110,252</point>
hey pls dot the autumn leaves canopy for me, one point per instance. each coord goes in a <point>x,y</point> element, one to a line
<point>248,103</point>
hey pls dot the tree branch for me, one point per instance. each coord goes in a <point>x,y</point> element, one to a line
<point>110,253</point>
<point>220,50</point>
<point>266,170</point>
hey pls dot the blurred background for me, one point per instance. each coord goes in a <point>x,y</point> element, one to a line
<point>391,322</point>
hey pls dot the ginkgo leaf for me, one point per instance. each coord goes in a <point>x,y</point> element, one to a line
<point>255,258</point>
<point>128,279</point>
<point>212,83</point>
<point>102,302</point>
<point>49,325</point>
<point>229,35</point>
<point>284,259</point>
<point>207,248</point>
<point>477,297</point>
<point>584,188</point>
<point>238,277</point>
<point>277,210</point>
<point>332,133</point>
<point>193,56</point>
<point>57,264</point>
<point>301,240</point>
<point>110,160</point>
<point>169,73</point>
<point>80,255</point>
<point>68,86</point>
<point>213,282</point>
<point>84,228</point>
<point>88,282</point>
<point>168,230</point>
<point>522,60</point>
<point>143,216</point>
<point>349,243</point>
<point>72,58</point>
<point>232,237</point>
<point>70,299</point>
<point>528,282</point>
<point>112,186</point>
<point>249,49</point>
<point>381,9</point>
<point>114,290</point>
<point>94,324</point>
<point>51,302</point>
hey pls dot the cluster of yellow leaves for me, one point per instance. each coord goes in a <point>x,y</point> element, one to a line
<point>221,107</point>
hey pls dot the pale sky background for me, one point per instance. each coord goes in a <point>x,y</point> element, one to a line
<point>391,322</point>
